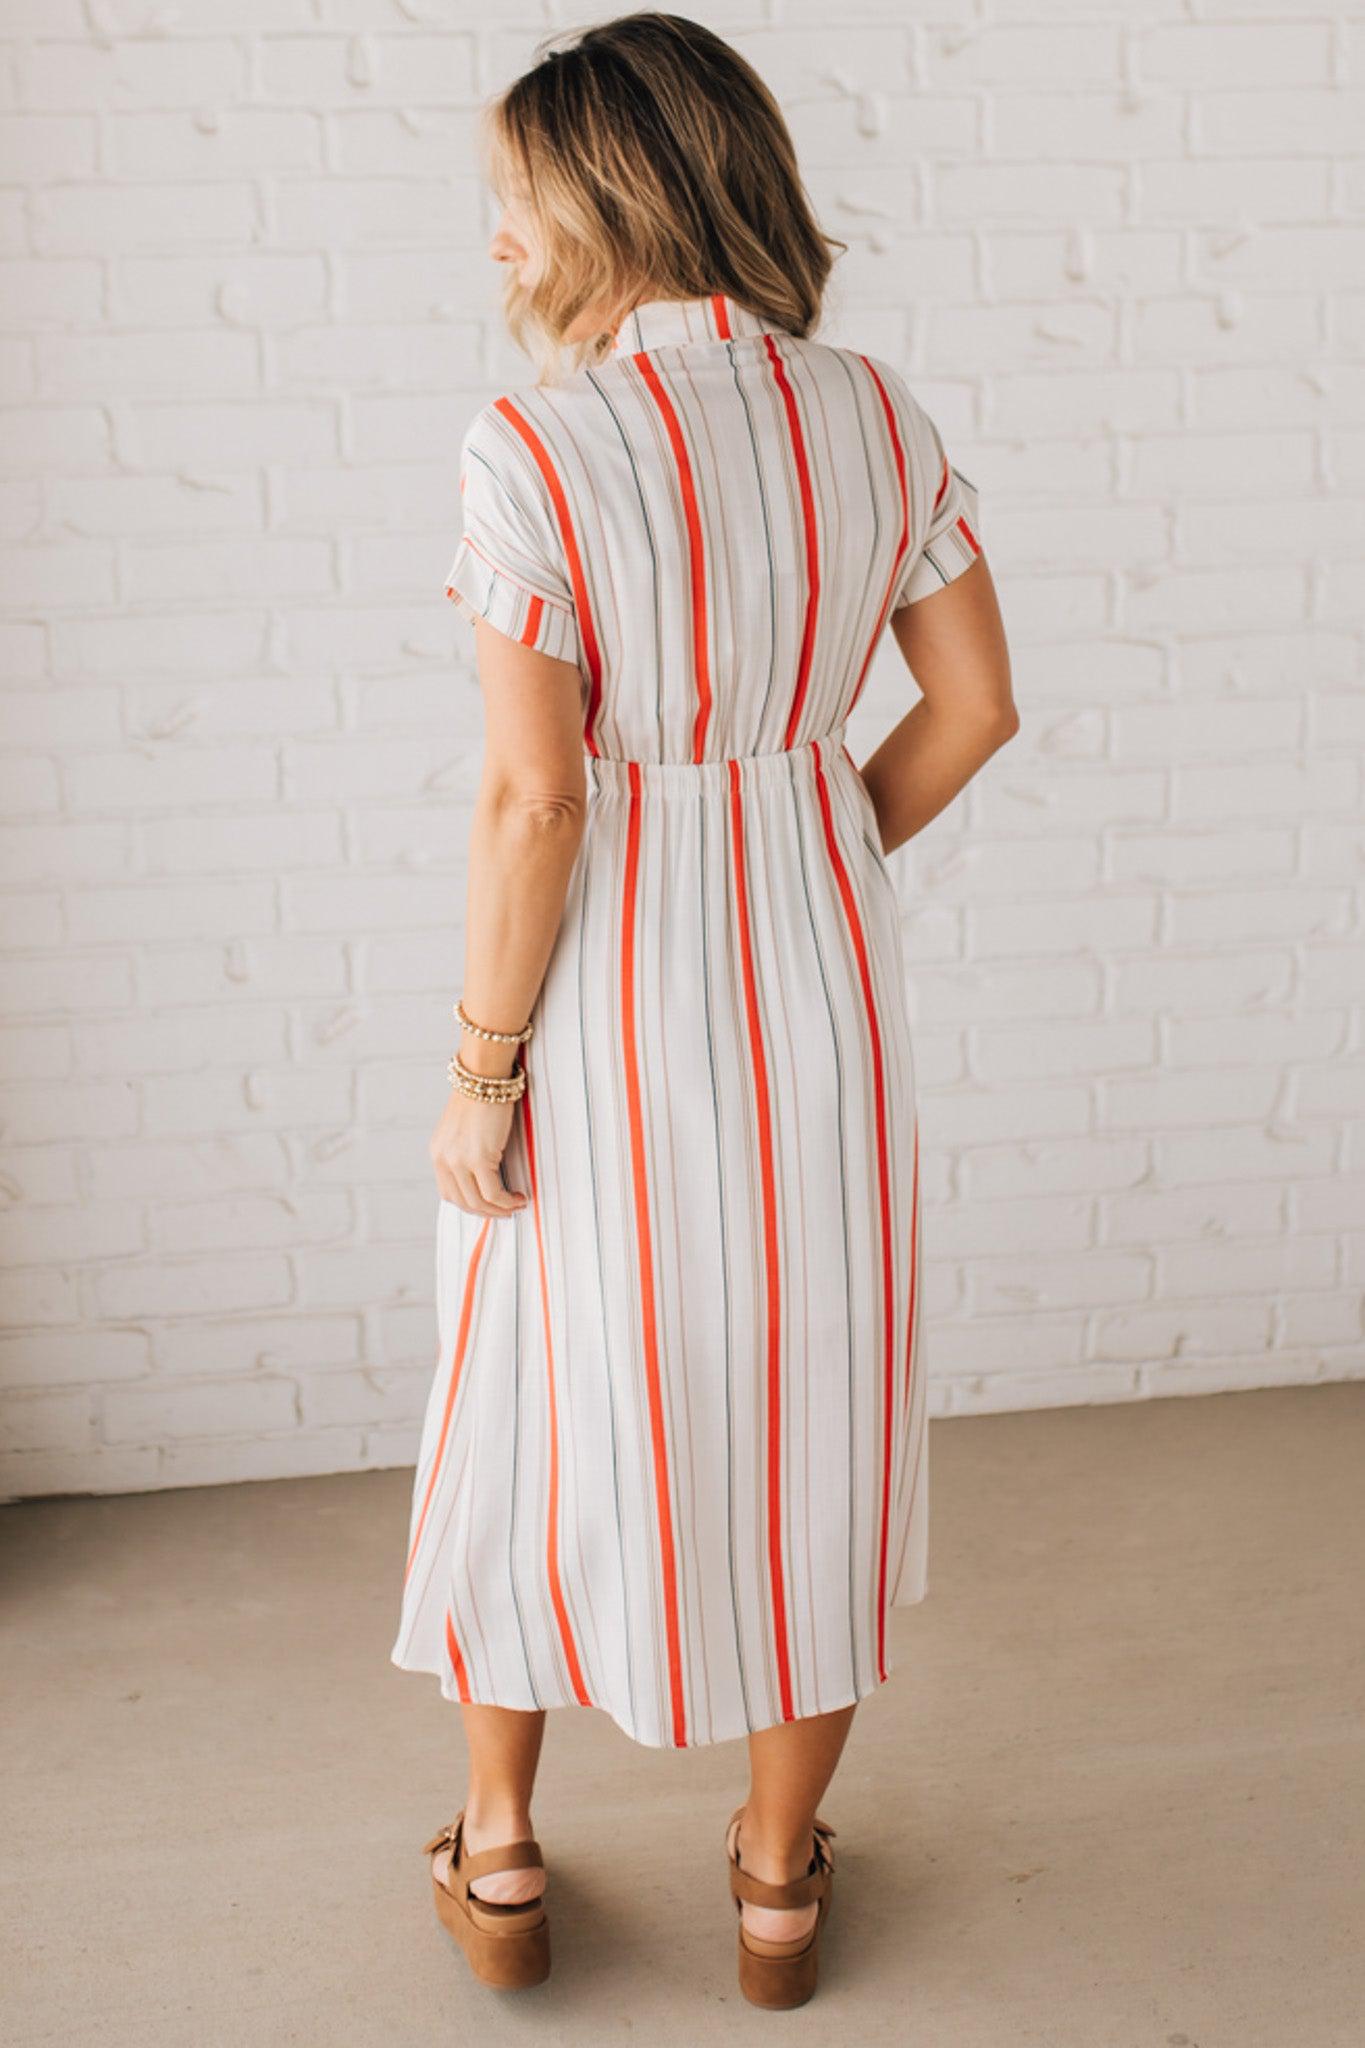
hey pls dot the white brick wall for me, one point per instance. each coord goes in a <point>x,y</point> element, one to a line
<point>246,315</point>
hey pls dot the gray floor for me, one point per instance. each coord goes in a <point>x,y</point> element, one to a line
<point>1113,1794</point>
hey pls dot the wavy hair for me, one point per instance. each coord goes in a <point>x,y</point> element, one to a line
<point>651,161</point>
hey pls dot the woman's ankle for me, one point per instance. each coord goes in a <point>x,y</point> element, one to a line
<point>776,1856</point>
<point>497,1820</point>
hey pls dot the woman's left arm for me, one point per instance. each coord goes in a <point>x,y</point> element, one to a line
<point>528,823</point>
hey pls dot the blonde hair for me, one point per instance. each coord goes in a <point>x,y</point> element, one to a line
<point>652,161</point>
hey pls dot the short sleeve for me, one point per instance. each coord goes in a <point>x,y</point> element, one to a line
<point>951,538</point>
<point>509,564</point>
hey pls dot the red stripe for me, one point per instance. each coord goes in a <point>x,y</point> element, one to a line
<point>533,612</point>
<point>904,542</point>
<point>696,550</point>
<point>913,1262</point>
<point>453,1650</point>
<point>720,312</point>
<point>808,523</point>
<point>967,534</point>
<point>883,1181</point>
<point>914,1265</point>
<point>942,487</point>
<point>592,653</point>
<point>657,1431</point>
<point>770,1251</point>
<point>552,1508</point>
<point>457,1366</point>
<point>909,1334</point>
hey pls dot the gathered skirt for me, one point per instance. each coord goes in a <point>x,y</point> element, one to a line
<point>673,1463</point>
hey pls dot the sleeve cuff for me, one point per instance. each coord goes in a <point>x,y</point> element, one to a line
<point>954,547</point>
<point>481,590</point>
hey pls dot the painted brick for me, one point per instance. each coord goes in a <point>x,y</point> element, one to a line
<point>249,312</point>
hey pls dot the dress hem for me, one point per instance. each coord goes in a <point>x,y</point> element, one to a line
<point>726,1735</point>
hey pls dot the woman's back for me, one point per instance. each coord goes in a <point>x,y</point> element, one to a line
<point>715,523</point>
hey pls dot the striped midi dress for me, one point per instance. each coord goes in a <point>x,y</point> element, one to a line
<point>673,1461</point>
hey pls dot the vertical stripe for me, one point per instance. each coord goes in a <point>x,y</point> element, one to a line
<point>717,1135</point>
<point>453,1651</point>
<point>456,1367</point>
<point>914,1265</point>
<point>912,1288</point>
<point>645,1253</point>
<point>573,561</point>
<point>520,1360</point>
<point>696,553</point>
<point>607,1272</point>
<point>808,528</point>
<point>902,544</point>
<point>771,1252</point>
<point>551,1424</point>
<point>883,1187</point>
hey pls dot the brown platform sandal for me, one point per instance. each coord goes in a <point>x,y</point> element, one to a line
<point>780,1973</point>
<point>508,1946</point>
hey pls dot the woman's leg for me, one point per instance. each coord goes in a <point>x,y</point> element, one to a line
<point>790,1767</point>
<point>504,1750</point>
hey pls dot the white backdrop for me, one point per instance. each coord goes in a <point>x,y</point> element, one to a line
<point>247,312</point>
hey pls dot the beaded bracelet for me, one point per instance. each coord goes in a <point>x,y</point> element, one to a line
<point>486,1087</point>
<point>498,1037</point>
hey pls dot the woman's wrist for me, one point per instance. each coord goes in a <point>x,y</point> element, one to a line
<point>484,1056</point>
<point>488,1050</point>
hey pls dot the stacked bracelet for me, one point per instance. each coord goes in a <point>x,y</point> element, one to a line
<point>487,1087</point>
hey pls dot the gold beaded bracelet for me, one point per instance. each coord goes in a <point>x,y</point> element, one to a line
<point>486,1087</point>
<point>467,1023</point>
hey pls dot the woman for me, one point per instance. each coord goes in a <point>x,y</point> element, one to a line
<point>673,1460</point>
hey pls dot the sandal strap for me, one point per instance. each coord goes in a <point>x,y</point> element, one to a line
<point>444,1838</point>
<point>503,1856</point>
<point>821,1828</point>
<point>797,1891</point>
<point>506,1856</point>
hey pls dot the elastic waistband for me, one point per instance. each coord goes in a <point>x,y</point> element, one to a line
<point>779,768</point>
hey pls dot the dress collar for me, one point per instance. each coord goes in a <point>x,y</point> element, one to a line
<point>713,316</point>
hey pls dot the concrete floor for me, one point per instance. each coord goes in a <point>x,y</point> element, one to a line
<point>1113,1795</point>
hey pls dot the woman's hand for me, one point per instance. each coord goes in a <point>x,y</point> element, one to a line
<point>466,1151</point>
